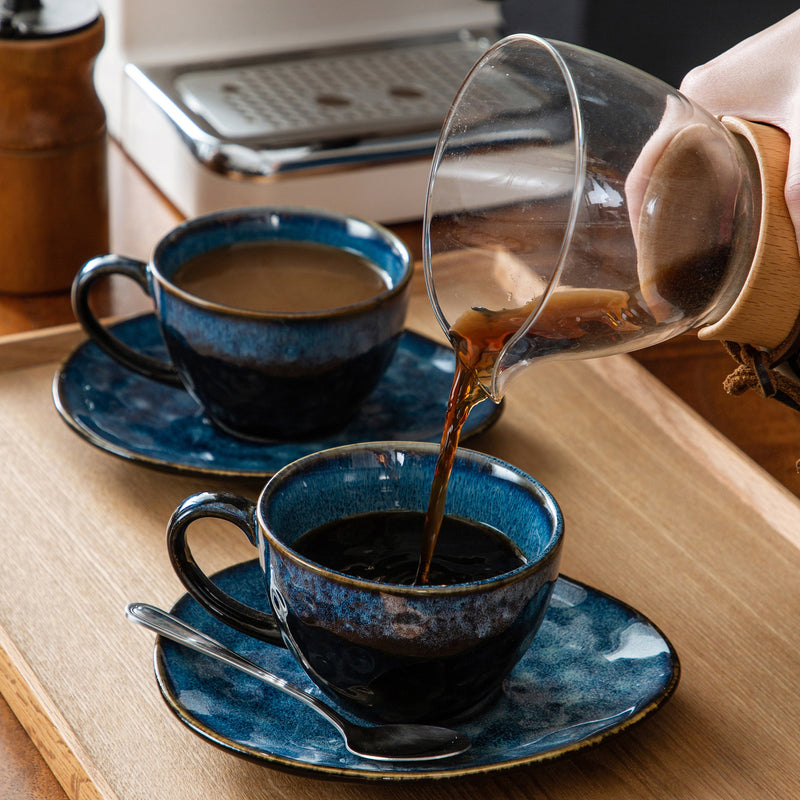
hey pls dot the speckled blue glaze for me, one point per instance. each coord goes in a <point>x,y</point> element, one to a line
<point>270,376</point>
<point>129,415</point>
<point>598,666</point>
<point>396,653</point>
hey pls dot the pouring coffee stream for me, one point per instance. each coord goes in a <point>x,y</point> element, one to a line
<point>578,207</point>
<point>478,338</point>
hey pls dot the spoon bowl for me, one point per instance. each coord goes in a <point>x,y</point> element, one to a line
<point>406,742</point>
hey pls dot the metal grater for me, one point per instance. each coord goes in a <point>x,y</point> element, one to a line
<point>377,91</point>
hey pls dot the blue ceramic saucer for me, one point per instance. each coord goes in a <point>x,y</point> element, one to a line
<point>134,417</point>
<point>597,666</point>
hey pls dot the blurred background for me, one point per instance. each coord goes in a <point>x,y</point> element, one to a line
<point>665,39</point>
<point>327,104</point>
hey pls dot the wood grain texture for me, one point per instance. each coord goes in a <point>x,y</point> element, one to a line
<point>50,733</point>
<point>768,304</point>
<point>23,771</point>
<point>647,759</point>
<point>139,216</point>
<point>54,190</point>
<point>766,430</point>
<point>37,347</point>
<point>661,511</point>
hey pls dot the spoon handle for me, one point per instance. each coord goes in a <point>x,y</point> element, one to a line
<point>175,629</point>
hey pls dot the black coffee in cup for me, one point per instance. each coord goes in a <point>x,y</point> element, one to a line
<point>384,546</point>
<point>391,651</point>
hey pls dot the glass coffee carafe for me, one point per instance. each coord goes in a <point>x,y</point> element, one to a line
<point>578,207</point>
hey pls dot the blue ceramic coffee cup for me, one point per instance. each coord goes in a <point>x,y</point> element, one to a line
<point>388,651</point>
<point>264,375</point>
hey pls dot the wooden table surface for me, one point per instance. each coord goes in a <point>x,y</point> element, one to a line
<point>766,431</point>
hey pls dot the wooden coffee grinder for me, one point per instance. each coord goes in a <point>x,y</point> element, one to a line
<point>53,175</point>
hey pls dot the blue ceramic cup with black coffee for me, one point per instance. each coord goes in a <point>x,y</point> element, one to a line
<point>337,530</point>
<point>279,321</point>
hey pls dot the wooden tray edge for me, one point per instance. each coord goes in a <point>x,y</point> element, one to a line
<point>48,729</point>
<point>708,446</point>
<point>45,345</point>
<point>30,348</point>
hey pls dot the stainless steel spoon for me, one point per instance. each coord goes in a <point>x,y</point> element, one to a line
<point>406,742</point>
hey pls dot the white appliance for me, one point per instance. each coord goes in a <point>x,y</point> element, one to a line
<point>227,103</point>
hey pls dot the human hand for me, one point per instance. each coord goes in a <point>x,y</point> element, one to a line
<point>759,80</point>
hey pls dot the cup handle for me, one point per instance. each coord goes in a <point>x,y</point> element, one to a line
<point>242,513</point>
<point>137,271</point>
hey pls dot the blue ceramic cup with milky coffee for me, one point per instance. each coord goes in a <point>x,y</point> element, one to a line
<point>257,374</point>
<point>389,651</point>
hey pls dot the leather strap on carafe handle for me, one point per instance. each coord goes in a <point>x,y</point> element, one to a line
<point>768,307</point>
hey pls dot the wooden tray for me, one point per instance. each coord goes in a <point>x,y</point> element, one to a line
<point>660,511</point>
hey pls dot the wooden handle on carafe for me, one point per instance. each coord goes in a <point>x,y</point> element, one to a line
<point>768,306</point>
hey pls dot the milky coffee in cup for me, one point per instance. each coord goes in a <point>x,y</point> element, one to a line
<point>278,321</point>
